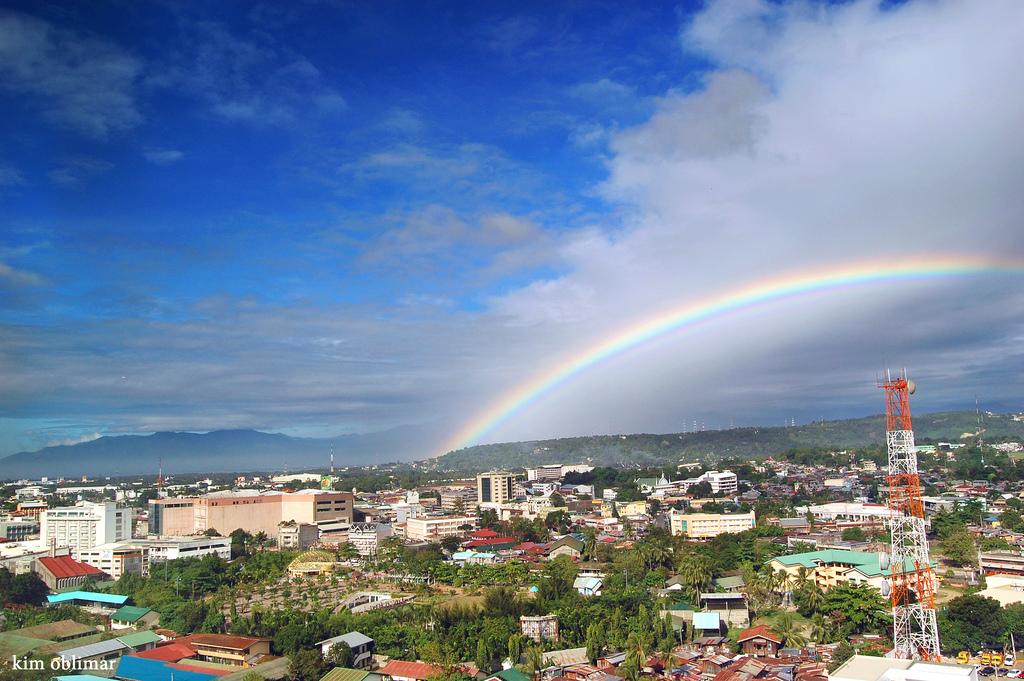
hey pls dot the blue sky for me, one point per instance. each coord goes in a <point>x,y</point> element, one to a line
<point>333,217</point>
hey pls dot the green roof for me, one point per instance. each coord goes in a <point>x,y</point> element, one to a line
<point>13,644</point>
<point>865,562</point>
<point>345,674</point>
<point>511,674</point>
<point>730,582</point>
<point>130,613</point>
<point>138,638</point>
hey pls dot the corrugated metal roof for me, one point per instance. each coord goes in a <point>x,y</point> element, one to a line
<point>345,674</point>
<point>92,650</point>
<point>139,638</point>
<point>354,639</point>
<point>111,599</point>
<point>706,620</point>
<point>140,669</point>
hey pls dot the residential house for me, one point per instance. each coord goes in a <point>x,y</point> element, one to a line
<point>128,616</point>
<point>539,628</point>
<point>759,641</point>
<point>238,651</point>
<point>566,546</point>
<point>731,607</point>
<point>400,670</point>
<point>588,586</point>
<point>362,648</point>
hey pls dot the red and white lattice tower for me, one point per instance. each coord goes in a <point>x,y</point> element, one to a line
<point>912,585</point>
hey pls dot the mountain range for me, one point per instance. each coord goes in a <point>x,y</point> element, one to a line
<point>250,450</point>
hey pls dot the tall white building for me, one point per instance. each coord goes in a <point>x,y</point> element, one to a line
<point>724,482</point>
<point>85,525</point>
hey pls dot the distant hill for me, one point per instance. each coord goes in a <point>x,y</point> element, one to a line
<point>243,451</point>
<point>214,452</point>
<point>657,450</point>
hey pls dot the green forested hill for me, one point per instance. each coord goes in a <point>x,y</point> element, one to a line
<point>646,449</point>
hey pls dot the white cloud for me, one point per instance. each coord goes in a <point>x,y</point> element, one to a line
<point>19,277</point>
<point>163,157</point>
<point>73,172</point>
<point>68,441</point>
<point>81,83</point>
<point>824,135</point>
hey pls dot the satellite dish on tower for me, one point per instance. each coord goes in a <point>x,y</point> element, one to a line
<point>911,387</point>
<point>884,560</point>
<point>886,589</point>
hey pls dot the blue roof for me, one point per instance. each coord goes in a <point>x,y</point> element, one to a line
<point>111,599</point>
<point>81,677</point>
<point>706,620</point>
<point>141,669</point>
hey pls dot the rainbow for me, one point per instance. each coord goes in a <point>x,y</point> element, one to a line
<point>720,304</point>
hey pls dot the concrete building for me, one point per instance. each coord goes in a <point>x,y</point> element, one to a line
<point>295,535</point>
<point>458,499</point>
<point>495,487</point>
<point>1002,562</point>
<point>63,572</point>
<point>864,668</point>
<point>30,508</point>
<point>85,525</point>
<point>18,529</point>
<point>724,482</point>
<point>546,472</point>
<point>707,525</point>
<point>117,558</point>
<point>831,567</point>
<point>842,511</point>
<point>172,548</point>
<point>366,537</point>
<point>539,628</point>
<point>434,528</point>
<point>249,510</point>
<point>362,647</point>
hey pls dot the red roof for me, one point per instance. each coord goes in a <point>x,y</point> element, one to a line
<point>489,542</point>
<point>759,631</point>
<point>484,534</point>
<point>409,670</point>
<point>219,641</point>
<point>201,670</point>
<point>172,652</point>
<point>66,566</point>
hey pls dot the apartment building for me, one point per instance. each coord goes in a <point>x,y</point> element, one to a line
<point>458,499</point>
<point>85,525</point>
<point>495,487</point>
<point>434,528</point>
<point>707,525</point>
<point>547,472</point>
<point>250,510</point>
<point>724,482</point>
<point>18,529</point>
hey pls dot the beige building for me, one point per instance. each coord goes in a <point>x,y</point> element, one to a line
<point>830,567</point>
<point>458,499</point>
<point>117,559</point>
<point>252,511</point>
<point>495,487</point>
<point>707,525</point>
<point>85,525</point>
<point>431,529</point>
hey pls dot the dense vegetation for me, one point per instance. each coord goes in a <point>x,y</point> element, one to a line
<point>646,450</point>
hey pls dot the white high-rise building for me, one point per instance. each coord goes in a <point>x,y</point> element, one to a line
<point>724,482</point>
<point>85,525</point>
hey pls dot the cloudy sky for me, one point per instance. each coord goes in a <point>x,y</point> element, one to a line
<point>325,218</point>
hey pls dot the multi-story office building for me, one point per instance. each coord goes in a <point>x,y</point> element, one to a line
<point>724,482</point>
<point>432,529</point>
<point>249,510</point>
<point>495,487</point>
<point>85,525</point>
<point>172,548</point>
<point>707,525</point>
<point>458,499</point>
<point>18,529</point>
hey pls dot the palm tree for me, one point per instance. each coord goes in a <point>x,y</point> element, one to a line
<point>821,629</point>
<point>589,544</point>
<point>534,660</point>
<point>695,571</point>
<point>812,597</point>
<point>785,626</point>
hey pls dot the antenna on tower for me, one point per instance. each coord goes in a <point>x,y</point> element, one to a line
<point>159,476</point>
<point>332,459</point>
<point>912,583</point>
<point>981,431</point>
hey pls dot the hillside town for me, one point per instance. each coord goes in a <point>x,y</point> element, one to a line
<point>767,569</point>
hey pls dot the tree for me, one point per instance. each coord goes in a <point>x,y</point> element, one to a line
<point>341,655</point>
<point>534,660</point>
<point>843,653</point>
<point>515,648</point>
<point>972,622</point>
<point>306,665</point>
<point>858,607</point>
<point>27,589</point>
<point>451,543</point>
<point>854,534</point>
<point>809,599</point>
<point>959,548</point>
<point>785,626</point>
<point>701,490</point>
<point>1011,520</point>
<point>483,656</point>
